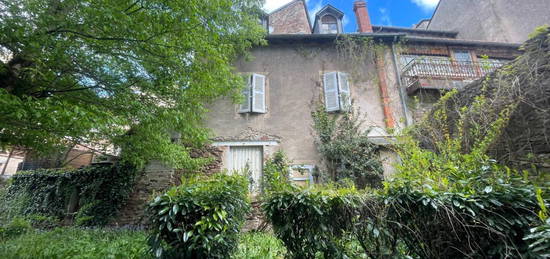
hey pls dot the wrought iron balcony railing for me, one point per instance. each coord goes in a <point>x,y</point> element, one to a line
<point>433,68</point>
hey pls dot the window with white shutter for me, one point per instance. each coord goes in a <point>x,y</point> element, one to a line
<point>258,93</point>
<point>254,94</point>
<point>337,91</point>
<point>331,91</point>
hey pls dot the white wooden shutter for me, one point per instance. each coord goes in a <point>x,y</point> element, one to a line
<point>330,83</point>
<point>245,105</point>
<point>258,93</point>
<point>344,89</point>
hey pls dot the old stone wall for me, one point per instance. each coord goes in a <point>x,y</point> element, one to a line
<point>155,179</point>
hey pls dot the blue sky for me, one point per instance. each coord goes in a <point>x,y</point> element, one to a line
<point>403,13</point>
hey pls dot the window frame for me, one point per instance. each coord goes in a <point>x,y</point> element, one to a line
<point>343,105</point>
<point>251,91</point>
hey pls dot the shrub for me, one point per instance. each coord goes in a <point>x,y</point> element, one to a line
<point>77,243</point>
<point>346,149</point>
<point>275,173</point>
<point>258,245</point>
<point>313,220</point>
<point>98,192</point>
<point>200,218</point>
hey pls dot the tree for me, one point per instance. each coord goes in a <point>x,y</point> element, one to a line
<point>122,72</point>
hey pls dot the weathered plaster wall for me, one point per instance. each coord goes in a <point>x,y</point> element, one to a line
<point>293,88</point>
<point>291,19</point>
<point>491,20</point>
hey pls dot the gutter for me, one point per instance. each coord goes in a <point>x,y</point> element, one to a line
<point>461,42</point>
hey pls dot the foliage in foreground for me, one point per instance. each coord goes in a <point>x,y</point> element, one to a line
<point>200,218</point>
<point>43,195</point>
<point>87,71</point>
<point>311,221</point>
<point>76,243</point>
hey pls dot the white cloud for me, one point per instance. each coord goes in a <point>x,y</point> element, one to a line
<point>271,5</point>
<point>426,5</point>
<point>345,22</point>
<point>313,10</point>
<point>385,16</point>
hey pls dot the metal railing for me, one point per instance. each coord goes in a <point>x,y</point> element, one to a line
<point>433,68</point>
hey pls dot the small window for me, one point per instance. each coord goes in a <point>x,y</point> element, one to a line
<point>462,56</point>
<point>329,24</point>
<point>337,91</point>
<point>254,95</point>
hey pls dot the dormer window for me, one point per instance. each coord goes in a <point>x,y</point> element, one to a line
<point>328,21</point>
<point>329,25</point>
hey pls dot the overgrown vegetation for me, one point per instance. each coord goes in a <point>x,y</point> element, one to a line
<point>92,195</point>
<point>200,218</point>
<point>520,89</point>
<point>346,149</point>
<point>275,173</point>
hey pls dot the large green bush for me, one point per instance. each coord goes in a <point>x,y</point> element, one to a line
<point>77,243</point>
<point>201,218</point>
<point>96,192</point>
<point>311,221</point>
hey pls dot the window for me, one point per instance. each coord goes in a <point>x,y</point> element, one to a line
<point>462,56</point>
<point>337,91</point>
<point>329,24</point>
<point>254,95</point>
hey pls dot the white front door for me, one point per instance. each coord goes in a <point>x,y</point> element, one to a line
<point>248,161</point>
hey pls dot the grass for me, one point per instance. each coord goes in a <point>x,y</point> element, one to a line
<point>256,245</point>
<point>111,243</point>
<point>77,243</point>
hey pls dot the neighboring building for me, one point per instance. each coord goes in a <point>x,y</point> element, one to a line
<point>490,20</point>
<point>301,67</point>
<point>74,157</point>
<point>10,161</point>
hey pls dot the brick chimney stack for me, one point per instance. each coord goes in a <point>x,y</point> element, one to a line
<point>362,15</point>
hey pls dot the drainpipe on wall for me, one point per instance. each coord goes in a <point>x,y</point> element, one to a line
<point>408,120</point>
<point>386,105</point>
<point>364,26</point>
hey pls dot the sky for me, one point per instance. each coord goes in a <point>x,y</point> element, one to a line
<point>402,13</point>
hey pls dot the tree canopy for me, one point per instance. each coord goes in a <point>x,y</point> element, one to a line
<point>122,72</point>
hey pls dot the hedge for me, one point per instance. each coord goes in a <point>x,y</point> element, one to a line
<point>201,218</point>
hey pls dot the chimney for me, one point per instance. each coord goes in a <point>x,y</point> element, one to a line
<point>362,15</point>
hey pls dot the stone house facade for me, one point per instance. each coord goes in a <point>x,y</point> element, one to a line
<point>303,67</point>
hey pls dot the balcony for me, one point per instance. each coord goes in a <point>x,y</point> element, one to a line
<point>443,74</point>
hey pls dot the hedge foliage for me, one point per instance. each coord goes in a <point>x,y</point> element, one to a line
<point>98,191</point>
<point>309,221</point>
<point>200,218</point>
